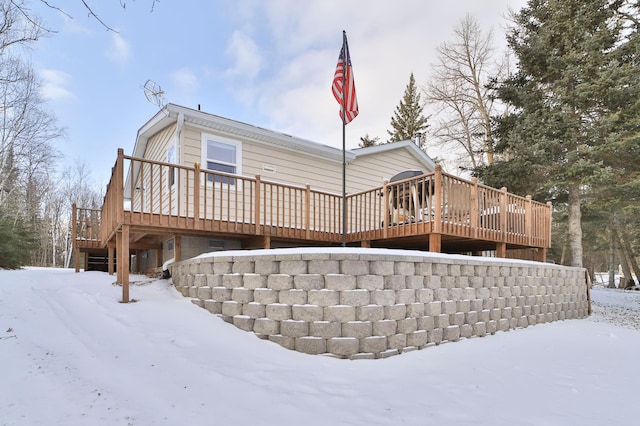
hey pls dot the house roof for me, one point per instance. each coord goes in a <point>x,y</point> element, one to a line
<point>407,145</point>
<point>171,113</point>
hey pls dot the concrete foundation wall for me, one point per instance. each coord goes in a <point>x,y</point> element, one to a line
<point>375,303</point>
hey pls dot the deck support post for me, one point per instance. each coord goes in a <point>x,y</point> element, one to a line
<point>435,243</point>
<point>436,226</point>
<point>256,203</point>
<point>501,250</point>
<point>138,268</point>
<point>473,207</point>
<point>177,248</point>
<point>541,255</point>
<point>549,221</point>
<point>503,214</point>
<point>386,203</point>
<point>365,243</point>
<point>110,258</point>
<point>267,242</point>
<point>528,220</point>
<point>122,241</point>
<point>196,195</point>
<point>307,212</point>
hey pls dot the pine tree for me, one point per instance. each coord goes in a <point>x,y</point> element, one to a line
<point>17,241</point>
<point>575,97</point>
<point>408,119</point>
<point>367,141</point>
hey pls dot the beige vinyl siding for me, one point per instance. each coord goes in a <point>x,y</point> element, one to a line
<point>294,168</point>
<point>191,142</point>
<point>298,168</point>
<point>152,179</point>
<point>369,171</point>
<point>159,143</point>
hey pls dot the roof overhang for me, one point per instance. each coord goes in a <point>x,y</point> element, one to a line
<point>407,145</point>
<point>206,121</point>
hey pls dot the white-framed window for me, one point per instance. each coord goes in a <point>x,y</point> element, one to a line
<point>171,159</point>
<point>221,155</point>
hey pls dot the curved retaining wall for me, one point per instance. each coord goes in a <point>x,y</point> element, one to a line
<point>372,303</point>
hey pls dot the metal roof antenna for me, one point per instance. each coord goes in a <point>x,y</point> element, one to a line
<point>154,93</point>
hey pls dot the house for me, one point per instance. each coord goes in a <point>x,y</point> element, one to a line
<point>197,182</point>
<point>184,136</point>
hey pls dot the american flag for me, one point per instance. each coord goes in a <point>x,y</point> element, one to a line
<point>345,95</point>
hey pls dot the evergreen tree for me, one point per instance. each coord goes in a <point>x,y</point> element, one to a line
<point>408,120</point>
<point>17,241</point>
<point>575,97</point>
<point>367,141</point>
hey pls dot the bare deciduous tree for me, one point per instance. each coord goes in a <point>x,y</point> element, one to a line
<point>19,27</point>
<point>27,132</point>
<point>458,91</point>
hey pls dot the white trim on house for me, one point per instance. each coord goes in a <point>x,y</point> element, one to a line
<point>206,138</point>
<point>408,145</point>
<point>210,122</point>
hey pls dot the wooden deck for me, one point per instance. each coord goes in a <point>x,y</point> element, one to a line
<point>147,202</point>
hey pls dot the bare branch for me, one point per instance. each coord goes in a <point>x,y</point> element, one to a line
<point>96,17</point>
<point>54,7</point>
<point>18,27</point>
<point>460,93</point>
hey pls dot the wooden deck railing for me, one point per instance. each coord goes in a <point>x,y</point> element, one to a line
<point>86,226</point>
<point>162,195</point>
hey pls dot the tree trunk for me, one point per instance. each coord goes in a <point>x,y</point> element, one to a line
<point>68,249</point>
<point>54,243</point>
<point>574,233</point>
<point>612,259</point>
<point>626,280</point>
<point>626,247</point>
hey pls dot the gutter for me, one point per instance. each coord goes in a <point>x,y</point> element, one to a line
<point>179,126</point>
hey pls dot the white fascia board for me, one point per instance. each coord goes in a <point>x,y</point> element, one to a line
<point>207,121</point>
<point>407,144</point>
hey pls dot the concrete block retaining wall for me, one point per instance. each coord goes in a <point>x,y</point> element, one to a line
<point>373,303</point>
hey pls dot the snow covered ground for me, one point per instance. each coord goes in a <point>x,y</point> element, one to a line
<point>70,354</point>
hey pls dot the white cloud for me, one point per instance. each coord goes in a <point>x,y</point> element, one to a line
<point>302,40</point>
<point>185,80</point>
<point>54,84</point>
<point>247,61</point>
<point>119,50</point>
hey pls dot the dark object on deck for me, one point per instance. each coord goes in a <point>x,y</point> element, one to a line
<point>401,194</point>
<point>405,174</point>
<point>407,200</point>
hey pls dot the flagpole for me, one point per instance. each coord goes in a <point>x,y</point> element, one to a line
<point>344,150</point>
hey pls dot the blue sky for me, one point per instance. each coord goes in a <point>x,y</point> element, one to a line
<point>267,63</point>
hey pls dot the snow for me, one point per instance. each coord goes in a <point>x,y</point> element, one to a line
<point>361,251</point>
<point>71,354</point>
